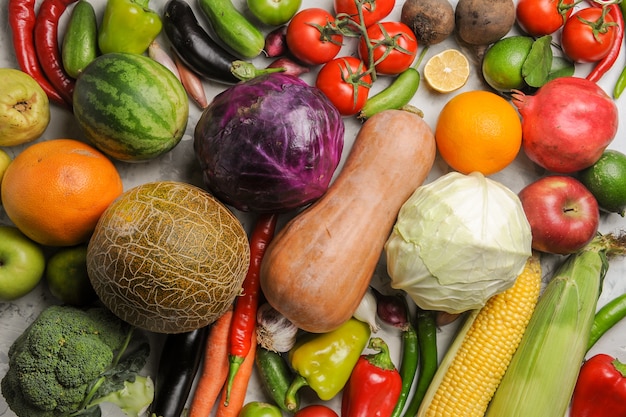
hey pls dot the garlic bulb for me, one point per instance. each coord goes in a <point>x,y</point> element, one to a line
<point>274,331</point>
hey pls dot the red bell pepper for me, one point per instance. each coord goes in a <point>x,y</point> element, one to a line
<point>601,388</point>
<point>374,385</point>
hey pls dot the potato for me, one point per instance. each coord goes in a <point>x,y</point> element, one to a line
<point>431,21</point>
<point>483,22</point>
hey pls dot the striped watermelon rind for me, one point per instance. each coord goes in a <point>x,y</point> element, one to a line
<point>130,107</point>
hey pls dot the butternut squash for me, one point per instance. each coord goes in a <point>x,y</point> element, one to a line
<point>318,267</point>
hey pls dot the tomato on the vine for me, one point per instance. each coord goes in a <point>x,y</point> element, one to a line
<point>373,10</point>
<point>346,82</point>
<point>394,47</point>
<point>543,17</point>
<point>588,35</point>
<point>315,410</point>
<point>312,36</point>
<point>274,12</point>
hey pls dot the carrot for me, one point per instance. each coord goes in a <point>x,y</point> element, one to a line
<point>239,387</point>
<point>214,368</point>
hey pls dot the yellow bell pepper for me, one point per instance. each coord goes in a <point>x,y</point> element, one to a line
<point>324,361</point>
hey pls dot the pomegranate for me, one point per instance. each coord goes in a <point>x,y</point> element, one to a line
<point>566,124</point>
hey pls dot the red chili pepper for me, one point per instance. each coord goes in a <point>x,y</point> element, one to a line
<point>47,46</point>
<point>244,315</point>
<point>22,21</point>
<point>374,385</point>
<point>601,388</point>
<point>607,62</point>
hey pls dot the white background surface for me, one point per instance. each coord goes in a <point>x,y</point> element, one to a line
<point>180,164</point>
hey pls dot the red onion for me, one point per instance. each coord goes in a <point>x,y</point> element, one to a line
<point>275,44</point>
<point>393,309</point>
<point>289,66</point>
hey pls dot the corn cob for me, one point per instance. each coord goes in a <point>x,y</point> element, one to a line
<point>473,366</point>
<point>543,371</point>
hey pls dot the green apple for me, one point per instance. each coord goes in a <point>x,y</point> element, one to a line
<point>67,278</point>
<point>24,108</point>
<point>22,264</point>
<point>5,160</point>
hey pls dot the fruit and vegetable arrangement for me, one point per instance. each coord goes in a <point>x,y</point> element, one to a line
<point>292,208</point>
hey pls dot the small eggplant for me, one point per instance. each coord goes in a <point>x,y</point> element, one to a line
<point>180,359</point>
<point>193,44</point>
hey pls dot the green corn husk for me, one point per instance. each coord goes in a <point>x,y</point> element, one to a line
<point>542,374</point>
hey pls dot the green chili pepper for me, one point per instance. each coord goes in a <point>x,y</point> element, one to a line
<point>620,84</point>
<point>607,317</point>
<point>128,26</point>
<point>408,367</point>
<point>426,327</point>
<point>324,361</point>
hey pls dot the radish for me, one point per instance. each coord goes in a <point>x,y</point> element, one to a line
<point>566,124</point>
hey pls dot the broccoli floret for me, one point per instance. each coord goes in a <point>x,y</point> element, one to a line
<point>66,359</point>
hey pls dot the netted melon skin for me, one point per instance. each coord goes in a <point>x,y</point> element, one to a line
<point>168,257</point>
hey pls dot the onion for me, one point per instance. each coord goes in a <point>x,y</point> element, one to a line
<point>159,55</point>
<point>289,66</point>
<point>393,309</point>
<point>275,43</point>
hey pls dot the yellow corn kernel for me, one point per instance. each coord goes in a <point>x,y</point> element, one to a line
<point>477,360</point>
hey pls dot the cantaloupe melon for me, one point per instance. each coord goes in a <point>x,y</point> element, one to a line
<point>168,257</point>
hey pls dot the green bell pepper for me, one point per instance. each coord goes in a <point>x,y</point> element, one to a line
<point>324,361</point>
<point>128,26</point>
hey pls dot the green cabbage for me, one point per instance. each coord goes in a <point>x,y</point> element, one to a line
<point>458,241</point>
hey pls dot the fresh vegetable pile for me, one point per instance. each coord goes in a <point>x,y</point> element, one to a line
<point>354,268</point>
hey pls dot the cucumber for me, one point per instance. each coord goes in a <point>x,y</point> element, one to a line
<point>80,41</point>
<point>276,376</point>
<point>233,28</point>
<point>395,96</point>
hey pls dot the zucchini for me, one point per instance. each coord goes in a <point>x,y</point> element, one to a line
<point>233,28</point>
<point>80,41</point>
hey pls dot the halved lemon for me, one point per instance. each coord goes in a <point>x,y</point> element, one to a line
<point>447,71</point>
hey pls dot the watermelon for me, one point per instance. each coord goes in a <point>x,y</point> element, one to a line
<point>130,107</point>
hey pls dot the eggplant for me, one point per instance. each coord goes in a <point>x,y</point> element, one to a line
<point>194,46</point>
<point>179,362</point>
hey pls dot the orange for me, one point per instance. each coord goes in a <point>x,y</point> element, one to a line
<point>56,190</point>
<point>478,131</point>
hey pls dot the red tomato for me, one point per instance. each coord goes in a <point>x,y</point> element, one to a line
<point>373,10</point>
<point>394,44</point>
<point>543,17</point>
<point>311,38</point>
<point>588,36</point>
<point>315,411</point>
<point>345,82</point>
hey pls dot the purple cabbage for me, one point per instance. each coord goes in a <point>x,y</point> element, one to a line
<point>270,144</point>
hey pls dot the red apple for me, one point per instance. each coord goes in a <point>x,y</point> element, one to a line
<point>562,212</point>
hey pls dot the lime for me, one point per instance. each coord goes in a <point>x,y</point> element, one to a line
<point>606,179</point>
<point>67,278</point>
<point>503,61</point>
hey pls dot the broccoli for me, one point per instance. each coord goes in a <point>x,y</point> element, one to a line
<point>70,360</point>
